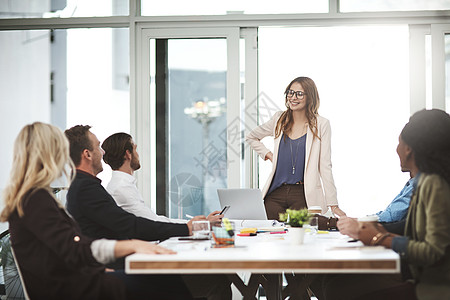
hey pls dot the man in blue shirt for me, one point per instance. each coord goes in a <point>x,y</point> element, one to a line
<point>398,208</point>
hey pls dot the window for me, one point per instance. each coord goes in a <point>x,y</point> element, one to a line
<point>204,7</point>
<point>62,9</point>
<point>98,82</point>
<point>392,5</point>
<point>63,77</point>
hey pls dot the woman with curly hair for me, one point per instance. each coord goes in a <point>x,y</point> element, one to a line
<point>424,246</point>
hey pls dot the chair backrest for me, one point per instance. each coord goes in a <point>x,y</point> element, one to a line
<point>13,281</point>
<point>2,281</point>
<point>20,276</point>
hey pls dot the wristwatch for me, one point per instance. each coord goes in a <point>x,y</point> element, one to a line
<point>332,223</point>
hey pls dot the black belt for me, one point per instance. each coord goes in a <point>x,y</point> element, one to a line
<point>300,182</point>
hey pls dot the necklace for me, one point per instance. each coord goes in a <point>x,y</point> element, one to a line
<point>292,157</point>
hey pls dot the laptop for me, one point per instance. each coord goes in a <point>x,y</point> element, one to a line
<point>245,204</point>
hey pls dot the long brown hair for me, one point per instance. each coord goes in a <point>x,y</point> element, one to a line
<point>286,120</point>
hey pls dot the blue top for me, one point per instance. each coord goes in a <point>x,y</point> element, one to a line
<point>398,208</point>
<point>290,153</point>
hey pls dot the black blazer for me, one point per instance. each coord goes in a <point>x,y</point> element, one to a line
<point>54,257</point>
<point>99,216</point>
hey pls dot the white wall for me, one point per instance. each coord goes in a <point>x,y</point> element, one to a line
<point>24,88</point>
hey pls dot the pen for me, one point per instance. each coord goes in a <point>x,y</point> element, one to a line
<point>276,232</point>
<point>189,216</point>
<point>247,234</point>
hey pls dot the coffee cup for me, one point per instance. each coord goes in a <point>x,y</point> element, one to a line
<point>315,210</point>
<point>372,219</point>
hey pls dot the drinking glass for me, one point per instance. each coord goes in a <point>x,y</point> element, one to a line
<point>314,224</point>
<point>200,229</point>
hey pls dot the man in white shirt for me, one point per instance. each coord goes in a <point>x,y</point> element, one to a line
<point>122,157</point>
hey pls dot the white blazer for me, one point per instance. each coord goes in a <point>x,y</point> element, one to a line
<point>318,178</point>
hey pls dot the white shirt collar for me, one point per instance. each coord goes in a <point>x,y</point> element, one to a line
<point>123,176</point>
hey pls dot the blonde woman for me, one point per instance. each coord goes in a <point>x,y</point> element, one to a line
<point>55,259</point>
<point>301,174</point>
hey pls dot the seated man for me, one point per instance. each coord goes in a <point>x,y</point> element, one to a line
<point>99,216</point>
<point>94,209</point>
<point>122,157</point>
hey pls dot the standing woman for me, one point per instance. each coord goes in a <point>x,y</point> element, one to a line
<point>301,172</point>
<point>57,261</point>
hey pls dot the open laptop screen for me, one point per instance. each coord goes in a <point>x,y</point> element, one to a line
<point>245,204</point>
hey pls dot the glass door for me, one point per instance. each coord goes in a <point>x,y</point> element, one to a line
<point>189,95</point>
<point>195,125</point>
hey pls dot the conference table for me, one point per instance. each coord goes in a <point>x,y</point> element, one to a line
<point>267,256</point>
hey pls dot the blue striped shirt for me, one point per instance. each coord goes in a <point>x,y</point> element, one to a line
<point>398,208</point>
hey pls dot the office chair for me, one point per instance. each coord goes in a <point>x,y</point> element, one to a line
<point>13,282</point>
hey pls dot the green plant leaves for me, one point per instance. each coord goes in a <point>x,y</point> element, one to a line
<point>295,218</point>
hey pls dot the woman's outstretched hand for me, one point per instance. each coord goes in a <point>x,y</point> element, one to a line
<point>338,212</point>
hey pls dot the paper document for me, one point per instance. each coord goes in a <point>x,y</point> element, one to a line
<point>256,223</point>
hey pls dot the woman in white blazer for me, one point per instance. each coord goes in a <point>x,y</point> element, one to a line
<point>301,173</point>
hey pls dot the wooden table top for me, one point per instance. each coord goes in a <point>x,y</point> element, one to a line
<point>269,253</point>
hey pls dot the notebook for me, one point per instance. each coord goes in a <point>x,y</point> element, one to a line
<point>245,204</point>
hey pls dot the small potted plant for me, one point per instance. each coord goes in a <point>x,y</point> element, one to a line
<point>296,219</point>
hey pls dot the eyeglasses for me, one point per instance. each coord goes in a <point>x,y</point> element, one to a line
<point>291,93</point>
